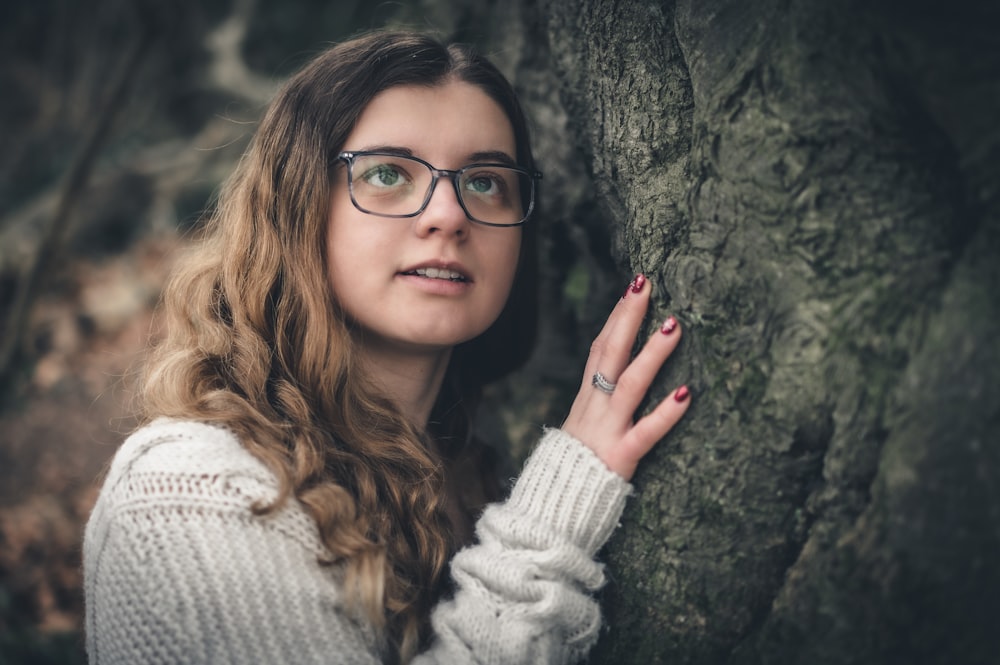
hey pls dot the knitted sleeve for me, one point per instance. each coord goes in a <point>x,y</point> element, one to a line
<point>524,591</point>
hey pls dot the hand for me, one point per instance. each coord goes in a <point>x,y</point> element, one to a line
<point>605,422</point>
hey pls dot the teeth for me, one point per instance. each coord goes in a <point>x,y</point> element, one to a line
<point>435,273</point>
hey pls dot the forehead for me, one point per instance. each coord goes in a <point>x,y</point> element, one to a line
<point>442,124</point>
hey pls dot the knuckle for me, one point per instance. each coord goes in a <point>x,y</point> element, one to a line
<point>666,415</point>
<point>609,347</point>
<point>599,347</point>
<point>661,420</point>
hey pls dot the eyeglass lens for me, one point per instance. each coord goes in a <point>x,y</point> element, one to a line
<point>396,185</point>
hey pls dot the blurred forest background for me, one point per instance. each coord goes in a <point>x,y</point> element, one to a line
<point>119,121</point>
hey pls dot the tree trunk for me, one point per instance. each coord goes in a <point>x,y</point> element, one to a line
<point>812,188</point>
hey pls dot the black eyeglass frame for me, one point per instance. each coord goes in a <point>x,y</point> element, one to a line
<point>348,157</point>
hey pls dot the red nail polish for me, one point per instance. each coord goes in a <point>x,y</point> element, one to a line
<point>681,394</point>
<point>669,326</point>
<point>629,289</point>
<point>638,283</point>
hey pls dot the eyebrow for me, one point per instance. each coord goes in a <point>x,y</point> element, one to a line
<point>492,156</point>
<point>484,156</point>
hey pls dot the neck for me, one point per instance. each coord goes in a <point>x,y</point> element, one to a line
<point>411,379</point>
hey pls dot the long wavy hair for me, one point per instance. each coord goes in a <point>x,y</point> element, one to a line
<point>256,341</point>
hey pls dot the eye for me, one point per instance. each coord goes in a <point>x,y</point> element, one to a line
<point>383,175</point>
<point>488,184</point>
<point>483,184</point>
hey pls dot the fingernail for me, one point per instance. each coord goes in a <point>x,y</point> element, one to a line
<point>638,283</point>
<point>669,326</point>
<point>681,394</point>
<point>629,289</point>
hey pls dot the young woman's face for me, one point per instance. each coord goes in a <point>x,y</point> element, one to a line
<point>438,279</point>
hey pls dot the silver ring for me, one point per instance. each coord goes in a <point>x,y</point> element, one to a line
<point>601,382</point>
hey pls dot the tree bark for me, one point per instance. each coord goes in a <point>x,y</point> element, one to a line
<point>812,189</point>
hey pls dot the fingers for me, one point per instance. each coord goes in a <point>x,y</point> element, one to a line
<point>603,415</point>
<point>624,458</point>
<point>609,354</point>
<point>632,387</point>
<point>635,380</point>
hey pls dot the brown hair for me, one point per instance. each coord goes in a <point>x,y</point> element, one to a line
<point>256,341</point>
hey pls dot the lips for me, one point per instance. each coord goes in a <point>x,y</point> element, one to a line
<point>448,273</point>
<point>435,273</point>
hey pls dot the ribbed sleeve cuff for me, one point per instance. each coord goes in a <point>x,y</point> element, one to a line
<point>566,488</point>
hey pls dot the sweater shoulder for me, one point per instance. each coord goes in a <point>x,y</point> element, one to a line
<point>187,446</point>
<point>177,562</point>
<point>179,458</point>
<point>176,467</point>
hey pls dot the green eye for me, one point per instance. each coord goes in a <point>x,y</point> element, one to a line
<point>485,183</point>
<point>382,175</point>
<point>481,185</point>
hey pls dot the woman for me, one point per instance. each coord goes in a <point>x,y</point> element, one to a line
<point>308,473</point>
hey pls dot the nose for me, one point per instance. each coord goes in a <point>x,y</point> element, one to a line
<point>443,214</point>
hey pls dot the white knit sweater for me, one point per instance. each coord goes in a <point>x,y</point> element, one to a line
<point>178,570</point>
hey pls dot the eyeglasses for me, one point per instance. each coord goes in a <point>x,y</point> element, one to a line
<point>392,185</point>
